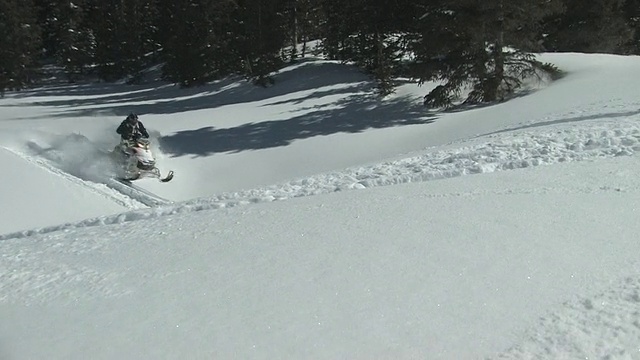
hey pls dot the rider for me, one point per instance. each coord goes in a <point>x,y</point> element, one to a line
<point>131,128</point>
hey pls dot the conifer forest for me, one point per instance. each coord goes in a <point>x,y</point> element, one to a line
<point>489,46</point>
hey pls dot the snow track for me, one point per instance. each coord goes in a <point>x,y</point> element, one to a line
<point>508,151</point>
<point>135,192</point>
<point>123,194</point>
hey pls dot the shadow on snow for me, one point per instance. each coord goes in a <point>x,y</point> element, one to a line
<point>120,100</point>
<point>354,114</point>
<point>357,110</point>
<point>611,115</point>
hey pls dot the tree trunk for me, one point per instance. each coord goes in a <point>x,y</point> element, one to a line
<point>294,36</point>
<point>498,55</point>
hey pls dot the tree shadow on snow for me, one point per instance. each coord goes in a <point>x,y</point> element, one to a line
<point>357,110</point>
<point>120,100</point>
<point>352,115</point>
<point>611,115</point>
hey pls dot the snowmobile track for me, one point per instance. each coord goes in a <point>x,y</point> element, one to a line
<point>123,194</point>
<point>145,196</point>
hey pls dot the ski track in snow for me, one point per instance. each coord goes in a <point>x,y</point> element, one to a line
<point>497,152</point>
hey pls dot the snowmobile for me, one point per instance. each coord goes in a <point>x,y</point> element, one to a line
<point>135,161</point>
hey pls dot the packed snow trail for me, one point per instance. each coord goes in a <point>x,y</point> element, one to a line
<point>520,149</point>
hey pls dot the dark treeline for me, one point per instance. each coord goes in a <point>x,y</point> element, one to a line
<point>488,45</point>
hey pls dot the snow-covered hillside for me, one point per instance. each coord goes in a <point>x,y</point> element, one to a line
<point>309,220</point>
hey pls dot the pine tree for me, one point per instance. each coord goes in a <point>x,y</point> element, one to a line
<point>126,35</point>
<point>483,45</point>
<point>632,19</point>
<point>338,26</point>
<point>19,41</point>
<point>106,17</point>
<point>370,34</point>
<point>301,16</point>
<point>47,22</point>
<point>139,36</point>
<point>196,41</point>
<point>261,28</point>
<point>592,26</point>
<point>75,48</point>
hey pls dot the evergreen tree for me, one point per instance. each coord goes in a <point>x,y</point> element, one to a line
<point>196,43</point>
<point>591,26</point>
<point>139,36</point>
<point>632,19</point>
<point>126,34</point>
<point>370,34</point>
<point>75,48</point>
<point>303,25</point>
<point>47,22</point>
<point>484,45</point>
<point>106,17</point>
<point>19,41</point>
<point>261,28</point>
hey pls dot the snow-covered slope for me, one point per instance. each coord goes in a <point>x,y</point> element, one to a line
<point>310,221</point>
<point>445,269</point>
<point>319,117</point>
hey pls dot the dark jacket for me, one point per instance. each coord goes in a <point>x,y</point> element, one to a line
<point>129,130</point>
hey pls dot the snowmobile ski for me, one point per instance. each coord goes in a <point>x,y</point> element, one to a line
<point>167,178</point>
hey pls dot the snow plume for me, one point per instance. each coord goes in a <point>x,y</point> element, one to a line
<point>83,155</point>
<point>74,154</point>
<point>154,137</point>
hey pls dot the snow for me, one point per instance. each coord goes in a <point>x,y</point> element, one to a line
<point>309,220</point>
<point>22,206</point>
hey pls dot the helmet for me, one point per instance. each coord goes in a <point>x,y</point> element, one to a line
<point>132,117</point>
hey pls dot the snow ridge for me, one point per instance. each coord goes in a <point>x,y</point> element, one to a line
<point>508,151</point>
